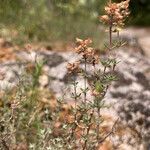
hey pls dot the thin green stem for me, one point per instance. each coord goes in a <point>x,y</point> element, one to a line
<point>85,80</point>
<point>13,131</point>
<point>110,35</point>
<point>98,125</point>
<point>88,130</point>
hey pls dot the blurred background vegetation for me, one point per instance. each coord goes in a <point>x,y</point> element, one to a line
<point>60,20</point>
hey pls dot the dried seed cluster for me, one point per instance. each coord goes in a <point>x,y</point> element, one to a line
<point>85,50</point>
<point>73,67</point>
<point>116,13</point>
<point>88,54</point>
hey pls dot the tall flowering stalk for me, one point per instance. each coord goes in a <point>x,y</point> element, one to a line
<point>79,127</point>
<point>116,13</point>
<point>88,117</point>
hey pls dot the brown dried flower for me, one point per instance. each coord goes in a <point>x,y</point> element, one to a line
<point>86,52</point>
<point>95,93</point>
<point>105,18</point>
<point>73,67</point>
<point>82,45</point>
<point>116,13</point>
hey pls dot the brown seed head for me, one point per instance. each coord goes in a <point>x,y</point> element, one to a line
<point>73,67</point>
<point>116,13</point>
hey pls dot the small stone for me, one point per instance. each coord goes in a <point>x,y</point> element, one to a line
<point>10,76</point>
<point>43,80</point>
<point>45,69</point>
<point>5,85</point>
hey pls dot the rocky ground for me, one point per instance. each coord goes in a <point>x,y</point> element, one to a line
<point>129,97</point>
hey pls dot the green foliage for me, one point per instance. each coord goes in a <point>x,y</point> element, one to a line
<point>140,12</point>
<point>37,72</point>
<point>29,20</point>
<point>99,87</point>
<point>49,19</point>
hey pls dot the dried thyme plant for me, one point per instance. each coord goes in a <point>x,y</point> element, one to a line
<point>85,128</point>
<point>79,127</point>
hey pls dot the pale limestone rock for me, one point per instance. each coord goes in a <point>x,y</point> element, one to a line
<point>145,45</point>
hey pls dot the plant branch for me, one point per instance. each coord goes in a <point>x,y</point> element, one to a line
<point>111,132</point>
<point>88,130</point>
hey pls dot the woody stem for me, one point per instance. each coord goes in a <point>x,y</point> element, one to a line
<point>110,35</point>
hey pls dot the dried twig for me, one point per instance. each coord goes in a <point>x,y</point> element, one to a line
<point>111,132</point>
